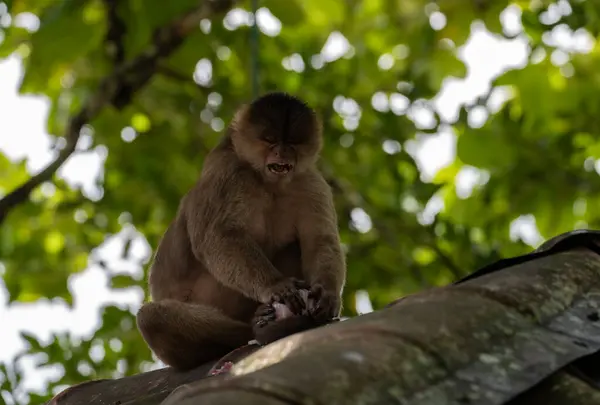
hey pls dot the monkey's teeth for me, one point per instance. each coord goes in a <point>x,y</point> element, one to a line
<point>279,169</point>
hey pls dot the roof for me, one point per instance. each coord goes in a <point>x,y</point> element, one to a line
<point>525,330</point>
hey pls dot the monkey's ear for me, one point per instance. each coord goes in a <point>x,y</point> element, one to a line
<point>240,117</point>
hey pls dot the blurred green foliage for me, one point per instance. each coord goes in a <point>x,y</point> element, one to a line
<point>539,148</point>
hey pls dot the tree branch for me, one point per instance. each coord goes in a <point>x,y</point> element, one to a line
<point>150,387</point>
<point>532,319</point>
<point>115,33</point>
<point>117,89</point>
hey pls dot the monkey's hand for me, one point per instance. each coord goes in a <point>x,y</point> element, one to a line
<point>324,305</point>
<point>273,322</point>
<point>264,315</point>
<point>287,292</point>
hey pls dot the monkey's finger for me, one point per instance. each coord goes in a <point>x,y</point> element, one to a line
<point>321,316</point>
<point>269,317</point>
<point>323,306</point>
<point>315,292</point>
<point>265,310</point>
<point>317,288</point>
<point>315,310</point>
<point>261,322</point>
<point>317,297</point>
<point>296,303</point>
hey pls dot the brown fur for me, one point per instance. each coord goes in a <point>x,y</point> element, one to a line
<point>245,236</point>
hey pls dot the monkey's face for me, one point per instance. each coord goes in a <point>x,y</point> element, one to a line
<point>273,159</point>
<point>278,135</point>
<point>280,159</point>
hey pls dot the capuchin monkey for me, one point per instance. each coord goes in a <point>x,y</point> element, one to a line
<point>258,227</point>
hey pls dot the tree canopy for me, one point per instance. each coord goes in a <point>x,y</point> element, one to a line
<point>149,87</point>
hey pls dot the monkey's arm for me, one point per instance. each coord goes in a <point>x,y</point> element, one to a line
<point>323,261</point>
<point>230,255</point>
<point>236,261</point>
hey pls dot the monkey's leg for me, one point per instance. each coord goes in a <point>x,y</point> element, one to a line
<point>184,335</point>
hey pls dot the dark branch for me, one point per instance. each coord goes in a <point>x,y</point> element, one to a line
<point>183,79</point>
<point>117,89</point>
<point>174,74</point>
<point>115,33</point>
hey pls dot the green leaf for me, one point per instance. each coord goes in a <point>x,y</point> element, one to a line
<point>30,6</point>
<point>12,174</point>
<point>13,38</point>
<point>53,51</point>
<point>123,281</point>
<point>54,242</point>
<point>32,340</point>
<point>445,63</point>
<point>289,12</point>
<point>140,122</point>
<point>144,17</point>
<point>447,174</point>
<point>485,150</point>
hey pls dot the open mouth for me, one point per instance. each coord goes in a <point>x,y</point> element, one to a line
<point>279,168</point>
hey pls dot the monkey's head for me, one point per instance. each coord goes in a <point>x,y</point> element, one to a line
<point>278,135</point>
